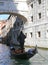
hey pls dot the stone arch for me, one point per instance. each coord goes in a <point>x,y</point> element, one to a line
<point>15,7</point>
<point>16,14</point>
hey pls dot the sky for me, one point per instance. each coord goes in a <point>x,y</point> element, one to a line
<point>4,16</point>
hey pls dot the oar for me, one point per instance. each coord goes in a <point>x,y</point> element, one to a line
<point>42,56</point>
<point>36,49</point>
<point>39,53</point>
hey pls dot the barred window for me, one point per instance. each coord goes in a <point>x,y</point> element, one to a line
<point>39,1</point>
<point>32,5</point>
<point>32,18</point>
<point>31,34</point>
<point>39,15</point>
<point>39,33</point>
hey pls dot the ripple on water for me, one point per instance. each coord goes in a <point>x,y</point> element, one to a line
<point>4,55</point>
<point>39,59</point>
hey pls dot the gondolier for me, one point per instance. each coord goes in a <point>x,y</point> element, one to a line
<point>21,40</point>
<point>20,53</point>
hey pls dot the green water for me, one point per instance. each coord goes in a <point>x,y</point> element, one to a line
<point>41,58</point>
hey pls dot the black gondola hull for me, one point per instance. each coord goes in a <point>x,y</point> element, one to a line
<point>24,55</point>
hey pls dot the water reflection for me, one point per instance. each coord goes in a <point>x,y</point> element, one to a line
<point>22,62</point>
<point>4,55</point>
<point>5,58</point>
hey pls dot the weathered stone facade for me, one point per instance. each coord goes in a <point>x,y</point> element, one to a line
<point>38,23</point>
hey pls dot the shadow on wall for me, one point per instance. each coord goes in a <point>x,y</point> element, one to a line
<point>11,37</point>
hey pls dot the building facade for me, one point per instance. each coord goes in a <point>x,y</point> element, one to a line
<point>37,28</point>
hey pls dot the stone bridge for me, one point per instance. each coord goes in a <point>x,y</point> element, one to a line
<point>14,7</point>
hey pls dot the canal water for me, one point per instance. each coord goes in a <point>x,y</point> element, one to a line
<point>41,58</point>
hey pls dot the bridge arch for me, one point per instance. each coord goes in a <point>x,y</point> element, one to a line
<point>14,7</point>
<point>16,14</point>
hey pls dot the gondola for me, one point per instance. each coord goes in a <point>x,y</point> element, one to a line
<point>23,55</point>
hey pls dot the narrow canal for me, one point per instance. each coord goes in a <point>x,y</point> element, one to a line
<point>39,59</point>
